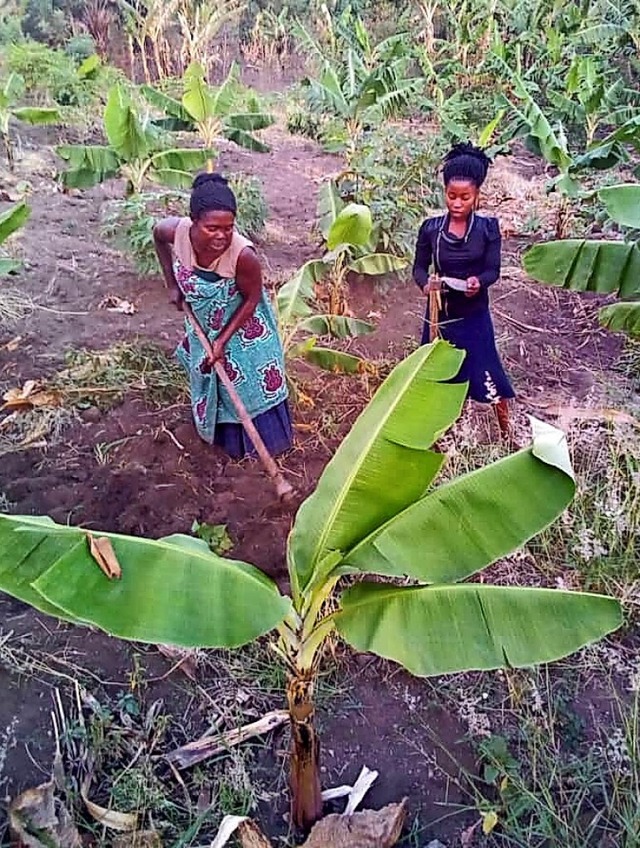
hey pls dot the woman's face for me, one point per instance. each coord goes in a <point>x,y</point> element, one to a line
<point>461,197</point>
<point>213,230</point>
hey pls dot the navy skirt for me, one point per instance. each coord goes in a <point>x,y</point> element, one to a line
<point>274,426</point>
<point>488,381</point>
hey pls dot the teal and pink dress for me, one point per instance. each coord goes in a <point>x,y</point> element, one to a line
<point>254,360</point>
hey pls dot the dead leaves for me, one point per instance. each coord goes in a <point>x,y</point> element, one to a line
<point>102,551</point>
<point>32,395</point>
<point>113,303</point>
<point>37,819</point>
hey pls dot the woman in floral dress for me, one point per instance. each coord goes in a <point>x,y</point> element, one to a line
<point>209,265</point>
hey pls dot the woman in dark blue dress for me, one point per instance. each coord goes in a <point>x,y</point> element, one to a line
<point>465,246</point>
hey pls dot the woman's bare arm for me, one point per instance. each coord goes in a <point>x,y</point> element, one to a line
<point>164,234</point>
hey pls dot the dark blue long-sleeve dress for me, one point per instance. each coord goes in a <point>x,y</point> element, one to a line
<point>466,321</point>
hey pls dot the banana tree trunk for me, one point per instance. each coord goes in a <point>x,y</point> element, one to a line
<point>306,794</point>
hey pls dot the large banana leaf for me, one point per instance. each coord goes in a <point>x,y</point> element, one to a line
<point>244,139</point>
<point>198,98</point>
<point>623,204</point>
<point>352,226</point>
<point>124,131</point>
<point>330,204</point>
<point>384,463</point>
<point>169,106</point>
<point>88,164</point>
<point>172,590</point>
<point>171,177</point>
<point>551,143</point>
<point>463,526</point>
<point>294,296</point>
<point>599,266</point>
<point>182,159</point>
<point>337,326</point>
<point>249,121</point>
<point>36,116</point>
<point>448,629</point>
<point>374,264</point>
<point>12,219</point>
<point>622,318</point>
<point>333,360</point>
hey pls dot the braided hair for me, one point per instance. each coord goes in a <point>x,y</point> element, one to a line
<point>466,162</point>
<point>211,192</point>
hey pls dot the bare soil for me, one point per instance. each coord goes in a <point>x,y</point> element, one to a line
<point>154,483</point>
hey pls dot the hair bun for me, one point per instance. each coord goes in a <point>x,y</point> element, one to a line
<point>205,178</point>
<point>465,148</point>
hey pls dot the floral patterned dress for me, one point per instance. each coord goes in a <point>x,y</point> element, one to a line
<point>253,360</point>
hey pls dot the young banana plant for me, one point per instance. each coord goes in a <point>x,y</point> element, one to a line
<point>211,112</point>
<point>375,511</point>
<point>135,152</point>
<point>10,91</point>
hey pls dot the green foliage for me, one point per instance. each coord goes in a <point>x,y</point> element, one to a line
<point>10,221</point>
<point>80,47</point>
<point>50,76</point>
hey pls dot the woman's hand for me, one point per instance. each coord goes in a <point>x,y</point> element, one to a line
<point>216,352</point>
<point>473,286</point>
<point>434,284</point>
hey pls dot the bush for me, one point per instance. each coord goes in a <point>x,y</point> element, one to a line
<point>50,21</point>
<point>49,74</point>
<point>80,47</point>
<point>10,30</point>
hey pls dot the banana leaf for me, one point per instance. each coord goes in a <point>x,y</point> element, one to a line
<point>384,463</point>
<point>330,204</point>
<point>449,629</point>
<point>464,525</point>
<point>334,360</point>
<point>171,177</point>
<point>88,165</point>
<point>336,326</point>
<point>244,139</point>
<point>352,226</point>
<point>12,219</point>
<point>622,202</point>
<point>293,297</point>
<point>375,264</point>
<point>622,318</point>
<point>168,106</point>
<point>249,121</point>
<point>36,116</point>
<point>606,267</point>
<point>172,590</point>
<point>183,159</point>
<point>122,127</point>
<point>198,99</point>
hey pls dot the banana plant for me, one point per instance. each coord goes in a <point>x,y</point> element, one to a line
<point>364,85</point>
<point>10,221</point>
<point>135,152</point>
<point>606,267</point>
<point>211,111</point>
<point>375,511</point>
<point>36,115</point>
